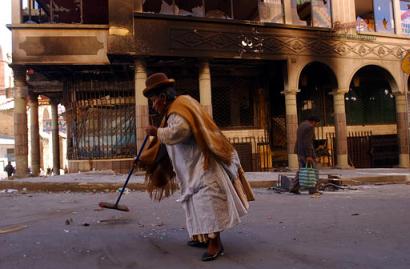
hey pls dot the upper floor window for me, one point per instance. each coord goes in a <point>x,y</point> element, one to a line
<point>271,11</point>
<point>374,16</point>
<point>316,13</point>
<point>405,16</point>
<point>252,10</point>
<point>65,11</point>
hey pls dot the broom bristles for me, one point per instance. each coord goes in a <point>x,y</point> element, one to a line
<point>112,206</point>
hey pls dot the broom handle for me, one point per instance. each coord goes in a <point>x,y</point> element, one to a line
<point>131,170</point>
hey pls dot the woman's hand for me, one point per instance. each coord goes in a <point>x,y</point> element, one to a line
<point>310,160</point>
<point>151,130</point>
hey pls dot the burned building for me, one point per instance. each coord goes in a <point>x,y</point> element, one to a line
<point>258,66</point>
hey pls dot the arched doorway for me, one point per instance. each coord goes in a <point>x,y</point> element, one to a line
<point>316,82</point>
<point>371,119</point>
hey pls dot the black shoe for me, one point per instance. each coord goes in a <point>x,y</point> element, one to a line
<point>197,244</point>
<point>206,257</point>
<point>295,192</point>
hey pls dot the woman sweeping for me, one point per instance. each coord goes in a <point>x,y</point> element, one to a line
<point>190,147</point>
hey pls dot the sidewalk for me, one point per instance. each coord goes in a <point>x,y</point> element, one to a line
<point>95,181</point>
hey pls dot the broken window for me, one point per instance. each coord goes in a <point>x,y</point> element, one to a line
<point>316,13</point>
<point>374,16</point>
<point>251,10</point>
<point>199,8</point>
<point>189,8</point>
<point>158,6</point>
<point>218,9</point>
<point>65,11</point>
<point>405,16</point>
<point>321,13</point>
<point>245,10</point>
<point>271,11</point>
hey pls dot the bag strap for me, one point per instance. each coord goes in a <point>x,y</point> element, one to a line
<point>311,166</point>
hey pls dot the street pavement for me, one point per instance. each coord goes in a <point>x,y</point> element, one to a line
<point>109,181</point>
<point>359,229</point>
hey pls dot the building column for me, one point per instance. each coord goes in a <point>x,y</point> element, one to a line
<point>16,11</point>
<point>141,102</point>
<point>287,9</point>
<point>402,129</point>
<point>205,89</point>
<point>291,127</point>
<point>341,128</point>
<point>397,19</point>
<point>20,122</point>
<point>68,119</point>
<point>34,135</point>
<point>55,138</point>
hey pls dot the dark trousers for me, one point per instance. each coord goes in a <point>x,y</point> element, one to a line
<point>295,185</point>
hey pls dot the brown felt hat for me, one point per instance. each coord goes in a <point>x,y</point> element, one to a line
<point>155,82</point>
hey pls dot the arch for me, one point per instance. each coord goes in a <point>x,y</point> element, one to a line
<point>407,85</point>
<point>370,99</point>
<point>392,81</point>
<point>327,67</point>
<point>316,81</point>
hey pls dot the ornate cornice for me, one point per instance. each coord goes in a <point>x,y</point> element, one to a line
<point>296,43</point>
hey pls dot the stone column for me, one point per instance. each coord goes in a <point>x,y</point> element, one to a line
<point>291,127</point>
<point>34,135</point>
<point>397,19</point>
<point>287,8</point>
<point>402,129</point>
<point>141,102</point>
<point>20,122</point>
<point>341,128</point>
<point>68,117</point>
<point>205,89</point>
<point>16,11</point>
<point>55,138</point>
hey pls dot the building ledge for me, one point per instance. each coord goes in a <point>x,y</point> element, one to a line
<point>57,26</point>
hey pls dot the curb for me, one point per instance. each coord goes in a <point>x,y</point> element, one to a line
<point>110,187</point>
<point>377,180</point>
<point>94,187</point>
<point>66,186</point>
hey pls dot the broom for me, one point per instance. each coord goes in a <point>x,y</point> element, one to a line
<point>117,206</point>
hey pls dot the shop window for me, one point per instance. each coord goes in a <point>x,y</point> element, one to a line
<point>316,13</point>
<point>271,11</point>
<point>102,116</point>
<point>10,155</point>
<point>405,16</point>
<point>374,16</point>
<point>65,11</point>
<point>232,102</point>
<point>370,100</point>
<point>370,107</point>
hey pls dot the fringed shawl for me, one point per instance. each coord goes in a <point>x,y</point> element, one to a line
<point>160,177</point>
<point>208,137</point>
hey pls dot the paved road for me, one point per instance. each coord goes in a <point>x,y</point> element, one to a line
<point>364,228</point>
